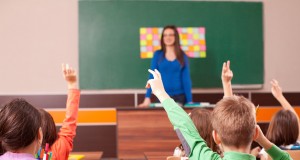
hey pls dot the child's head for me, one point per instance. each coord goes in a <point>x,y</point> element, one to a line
<point>202,120</point>
<point>20,124</point>
<point>283,128</point>
<point>234,121</point>
<point>48,127</point>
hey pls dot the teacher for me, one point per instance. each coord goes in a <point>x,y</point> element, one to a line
<point>173,65</point>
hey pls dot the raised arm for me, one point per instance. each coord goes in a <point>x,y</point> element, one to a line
<point>193,144</point>
<point>277,93</point>
<point>68,130</point>
<point>226,77</point>
<point>275,152</point>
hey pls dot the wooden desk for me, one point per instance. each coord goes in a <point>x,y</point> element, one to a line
<point>157,155</point>
<point>141,130</point>
<point>89,155</point>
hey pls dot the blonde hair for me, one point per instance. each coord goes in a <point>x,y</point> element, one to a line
<point>234,120</point>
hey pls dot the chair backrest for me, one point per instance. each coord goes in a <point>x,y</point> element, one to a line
<point>295,154</point>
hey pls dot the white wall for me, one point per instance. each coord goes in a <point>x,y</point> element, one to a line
<point>37,36</point>
<point>282,43</point>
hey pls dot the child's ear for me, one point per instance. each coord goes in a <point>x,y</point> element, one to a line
<point>256,133</point>
<point>216,137</point>
<point>40,135</point>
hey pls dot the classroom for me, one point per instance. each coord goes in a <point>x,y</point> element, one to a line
<point>38,36</point>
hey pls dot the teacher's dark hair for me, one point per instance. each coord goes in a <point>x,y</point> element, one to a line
<point>19,123</point>
<point>178,51</point>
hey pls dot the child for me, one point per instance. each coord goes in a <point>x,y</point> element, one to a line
<point>226,77</point>
<point>202,121</point>
<point>20,134</point>
<point>62,143</point>
<point>284,127</point>
<point>233,121</point>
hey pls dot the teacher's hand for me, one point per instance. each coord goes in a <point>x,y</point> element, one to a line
<point>145,104</point>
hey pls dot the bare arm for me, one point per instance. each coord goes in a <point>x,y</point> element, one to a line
<point>277,93</point>
<point>226,79</point>
<point>262,140</point>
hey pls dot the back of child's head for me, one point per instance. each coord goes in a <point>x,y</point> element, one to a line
<point>234,120</point>
<point>202,120</point>
<point>19,123</point>
<point>283,128</point>
<point>48,128</point>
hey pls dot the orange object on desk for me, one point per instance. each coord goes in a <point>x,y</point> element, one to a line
<point>85,155</point>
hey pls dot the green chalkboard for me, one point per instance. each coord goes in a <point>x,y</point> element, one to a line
<point>109,51</point>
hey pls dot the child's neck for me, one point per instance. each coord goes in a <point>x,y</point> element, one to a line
<point>242,149</point>
<point>31,149</point>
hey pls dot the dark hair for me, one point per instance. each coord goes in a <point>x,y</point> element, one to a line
<point>283,128</point>
<point>202,120</point>
<point>234,120</point>
<point>19,123</point>
<point>48,128</point>
<point>178,51</point>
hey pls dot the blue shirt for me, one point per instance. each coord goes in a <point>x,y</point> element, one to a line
<point>176,78</point>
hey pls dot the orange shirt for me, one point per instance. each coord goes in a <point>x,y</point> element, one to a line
<point>64,144</point>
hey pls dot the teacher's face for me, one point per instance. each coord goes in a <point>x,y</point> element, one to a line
<point>169,37</point>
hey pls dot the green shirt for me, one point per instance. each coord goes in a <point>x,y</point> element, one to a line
<point>196,147</point>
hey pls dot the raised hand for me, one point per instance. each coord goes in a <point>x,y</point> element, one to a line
<point>70,76</point>
<point>157,85</point>
<point>226,77</point>
<point>227,74</point>
<point>276,89</point>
